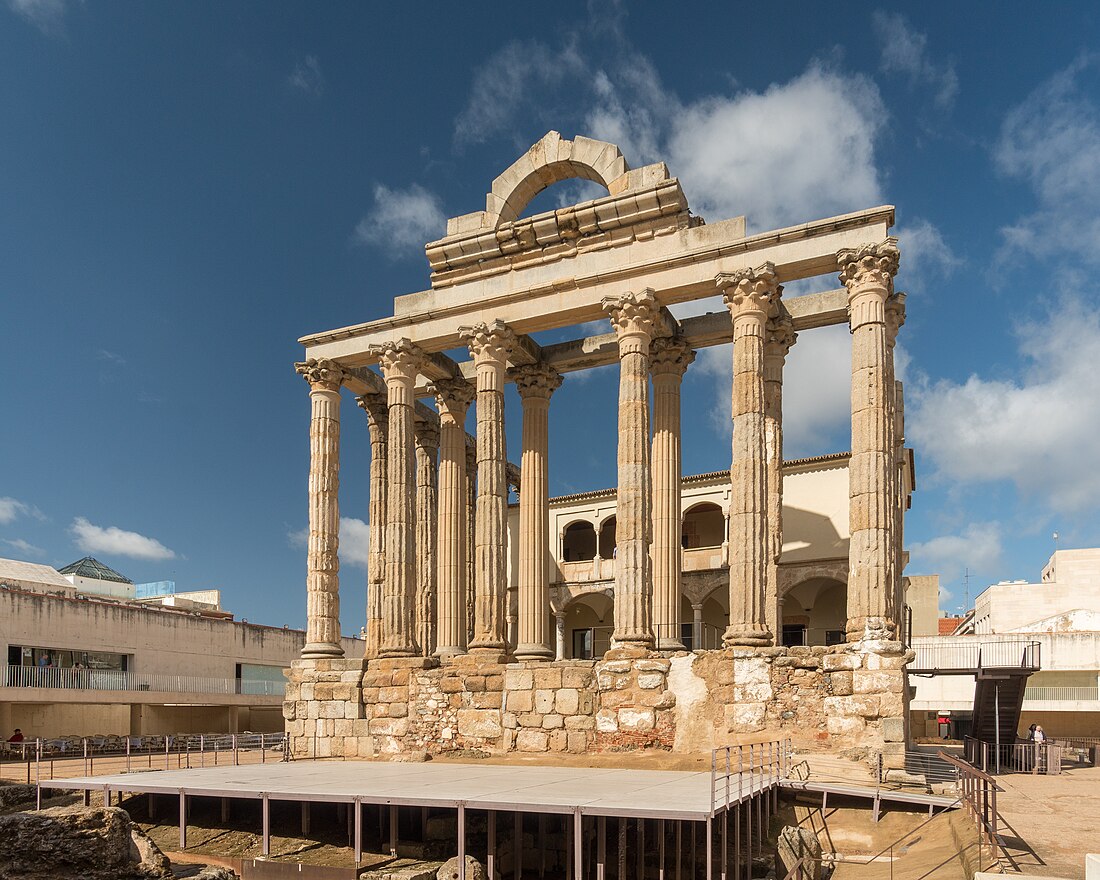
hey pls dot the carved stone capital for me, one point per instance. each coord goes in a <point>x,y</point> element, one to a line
<point>374,405</point>
<point>750,292</point>
<point>669,356</point>
<point>779,336</point>
<point>322,375</point>
<point>632,314</point>
<point>869,265</point>
<point>895,316</point>
<point>453,397</point>
<point>426,435</point>
<point>400,360</point>
<point>490,343</point>
<point>535,381</point>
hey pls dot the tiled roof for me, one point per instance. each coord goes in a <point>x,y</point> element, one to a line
<point>947,625</point>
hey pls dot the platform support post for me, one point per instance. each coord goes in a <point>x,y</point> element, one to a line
<point>358,832</point>
<point>601,847</point>
<point>225,810</point>
<point>578,846</point>
<point>737,842</point>
<point>641,848</point>
<point>621,823</point>
<point>267,825</point>
<point>183,818</point>
<point>517,845</point>
<point>660,849</point>
<point>393,830</point>
<point>491,844</point>
<point>725,848</point>
<point>567,850</point>
<point>151,805</point>
<point>542,846</point>
<point>748,837</point>
<point>461,841</point>
<point>679,848</point>
<point>305,818</point>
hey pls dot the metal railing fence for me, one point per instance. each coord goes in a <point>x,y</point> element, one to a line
<point>973,654</point>
<point>1016,757</point>
<point>978,792</point>
<point>1061,694</point>
<point>736,770</point>
<point>117,680</point>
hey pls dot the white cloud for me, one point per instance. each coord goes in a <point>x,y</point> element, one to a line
<point>905,51</point>
<point>979,547</point>
<point>25,547</point>
<point>1040,431</point>
<point>119,542</point>
<point>110,357</point>
<point>354,541</point>
<point>925,255</point>
<point>402,220</point>
<point>307,77</point>
<point>46,15</point>
<point>1052,141</point>
<point>10,509</point>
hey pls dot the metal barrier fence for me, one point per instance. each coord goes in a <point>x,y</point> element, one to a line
<point>1061,694</point>
<point>764,764</point>
<point>117,680</point>
<point>971,653</point>
<point>41,756</point>
<point>978,792</point>
<point>1018,757</point>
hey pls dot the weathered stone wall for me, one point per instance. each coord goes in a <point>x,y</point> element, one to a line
<point>844,697</point>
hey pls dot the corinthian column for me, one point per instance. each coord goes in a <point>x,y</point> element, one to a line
<point>378,424</point>
<point>751,296</point>
<point>322,556</point>
<point>452,397</point>
<point>471,534</point>
<point>669,358</point>
<point>868,273</point>
<point>535,385</point>
<point>490,346</point>
<point>427,523</point>
<point>633,316</point>
<point>895,318</point>
<point>400,362</point>
<point>778,339</point>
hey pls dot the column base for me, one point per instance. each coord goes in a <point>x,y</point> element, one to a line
<point>870,629</point>
<point>670,645</point>
<point>402,663</point>
<point>747,635</point>
<point>321,650</point>
<point>533,652</point>
<point>628,651</point>
<point>476,657</point>
<point>448,652</point>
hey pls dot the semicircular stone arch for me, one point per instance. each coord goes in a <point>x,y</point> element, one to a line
<point>551,160</point>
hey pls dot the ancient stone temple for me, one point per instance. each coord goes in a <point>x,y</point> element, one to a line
<point>470,598</point>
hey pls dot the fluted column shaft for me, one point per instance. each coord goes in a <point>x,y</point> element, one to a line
<point>452,399</point>
<point>427,526</point>
<point>669,359</point>
<point>400,362</point>
<point>490,346</point>
<point>779,337</point>
<point>751,296</point>
<point>535,384</point>
<point>633,317</point>
<point>868,274</point>
<point>895,318</point>
<point>471,535</point>
<point>322,555</point>
<point>377,412</point>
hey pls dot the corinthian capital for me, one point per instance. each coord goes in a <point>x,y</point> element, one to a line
<point>632,314</point>
<point>750,291</point>
<point>669,356</point>
<point>535,380</point>
<point>321,374</point>
<point>399,360</point>
<point>869,265</point>
<point>374,405</point>
<point>453,397</point>
<point>493,342</point>
<point>895,316</point>
<point>779,335</point>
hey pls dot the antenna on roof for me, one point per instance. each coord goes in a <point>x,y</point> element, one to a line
<point>966,588</point>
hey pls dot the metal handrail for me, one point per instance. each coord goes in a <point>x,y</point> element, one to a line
<point>970,653</point>
<point>978,792</point>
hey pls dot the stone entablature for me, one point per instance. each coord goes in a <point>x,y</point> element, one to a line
<point>686,703</point>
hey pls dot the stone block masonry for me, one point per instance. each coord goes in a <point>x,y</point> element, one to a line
<point>847,697</point>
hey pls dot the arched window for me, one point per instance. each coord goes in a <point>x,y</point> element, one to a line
<point>704,526</point>
<point>578,542</point>
<point>607,538</point>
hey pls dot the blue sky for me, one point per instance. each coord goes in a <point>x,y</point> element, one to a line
<point>185,189</point>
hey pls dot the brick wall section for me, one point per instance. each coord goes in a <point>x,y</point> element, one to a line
<point>852,700</point>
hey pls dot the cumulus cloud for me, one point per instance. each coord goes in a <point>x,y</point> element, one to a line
<point>354,541</point>
<point>118,542</point>
<point>401,221</point>
<point>10,509</point>
<point>1051,140</point>
<point>306,78</point>
<point>25,547</point>
<point>905,52</point>
<point>46,15</point>
<point>925,254</point>
<point>1040,431</point>
<point>979,547</point>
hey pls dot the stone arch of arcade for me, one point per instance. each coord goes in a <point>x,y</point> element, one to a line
<point>814,611</point>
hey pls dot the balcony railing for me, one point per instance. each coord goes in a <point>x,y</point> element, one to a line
<point>117,680</point>
<point>1061,694</point>
<point>974,655</point>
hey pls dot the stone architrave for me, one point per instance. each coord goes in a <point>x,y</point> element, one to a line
<point>633,317</point>
<point>895,318</point>
<point>323,555</point>
<point>668,360</point>
<point>779,337</point>
<point>427,527</point>
<point>868,274</point>
<point>453,397</point>
<point>400,362</point>
<point>535,383</point>
<point>376,408</point>
<point>490,345</point>
<point>751,295</point>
